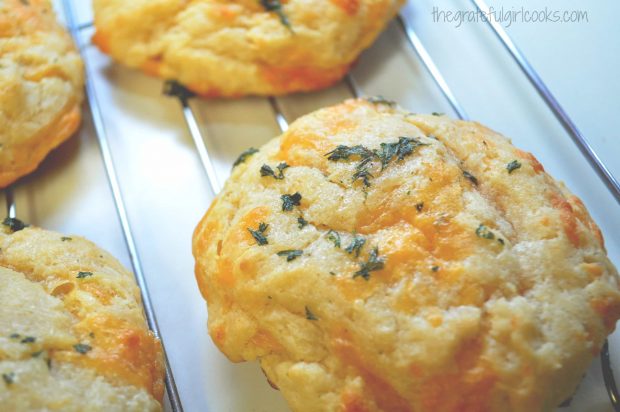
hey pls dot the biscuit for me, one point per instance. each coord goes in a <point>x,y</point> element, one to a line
<point>373,259</point>
<point>40,86</point>
<point>72,332</point>
<point>249,47</point>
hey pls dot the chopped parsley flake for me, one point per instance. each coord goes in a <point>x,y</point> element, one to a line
<point>437,114</point>
<point>374,263</point>
<point>387,152</point>
<point>362,173</point>
<point>266,170</point>
<point>82,275</point>
<point>173,88</point>
<point>484,232</point>
<point>66,239</point>
<point>276,7</point>
<point>356,245</point>
<point>334,237</point>
<point>342,152</point>
<point>404,147</point>
<point>310,315</point>
<point>380,100</point>
<point>259,235</point>
<point>14,224</point>
<point>512,166</point>
<point>470,177</point>
<point>289,201</point>
<point>14,336</point>
<point>82,348</point>
<point>9,378</point>
<point>301,222</point>
<point>244,156</point>
<point>28,339</point>
<point>435,268</point>
<point>291,254</point>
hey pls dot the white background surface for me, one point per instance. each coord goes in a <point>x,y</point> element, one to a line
<point>166,190</point>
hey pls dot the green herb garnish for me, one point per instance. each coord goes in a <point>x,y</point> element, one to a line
<point>259,235</point>
<point>356,245</point>
<point>362,172</point>
<point>291,254</point>
<point>243,156</point>
<point>14,224</point>
<point>470,177</point>
<point>435,268</point>
<point>512,166</point>
<point>276,7</point>
<point>342,152</point>
<point>334,237</point>
<point>380,100</point>
<point>66,239</point>
<point>9,378</point>
<point>301,222</point>
<point>82,275</point>
<point>289,201</point>
<point>387,152</point>
<point>28,339</point>
<point>484,232</point>
<point>14,336</point>
<point>266,170</point>
<point>82,348</point>
<point>173,88</point>
<point>404,147</point>
<point>310,315</point>
<point>437,114</point>
<point>374,263</point>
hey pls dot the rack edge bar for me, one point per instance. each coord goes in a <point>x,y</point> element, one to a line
<point>423,54</point>
<point>110,169</point>
<point>582,144</point>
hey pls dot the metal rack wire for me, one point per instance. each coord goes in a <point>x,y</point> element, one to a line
<point>199,138</point>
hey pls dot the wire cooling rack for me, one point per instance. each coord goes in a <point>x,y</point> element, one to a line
<point>199,137</point>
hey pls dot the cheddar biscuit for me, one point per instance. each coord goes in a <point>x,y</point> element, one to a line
<point>40,86</point>
<point>245,47</point>
<point>372,259</point>
<point>72,332</point>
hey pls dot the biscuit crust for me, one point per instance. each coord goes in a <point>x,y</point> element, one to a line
<point>235,48</point>
<point>41,83</point>
<point>436,267</point>
<point>73,336</point>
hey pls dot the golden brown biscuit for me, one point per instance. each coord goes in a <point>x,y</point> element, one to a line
<point>72,333</point>
<point>234,48</point>
<point>40,86</point>
<point>376,260</point>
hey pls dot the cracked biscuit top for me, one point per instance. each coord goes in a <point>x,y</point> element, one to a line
<point>40,86</point>
<point>377,260</point>
<point>243,47</point>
